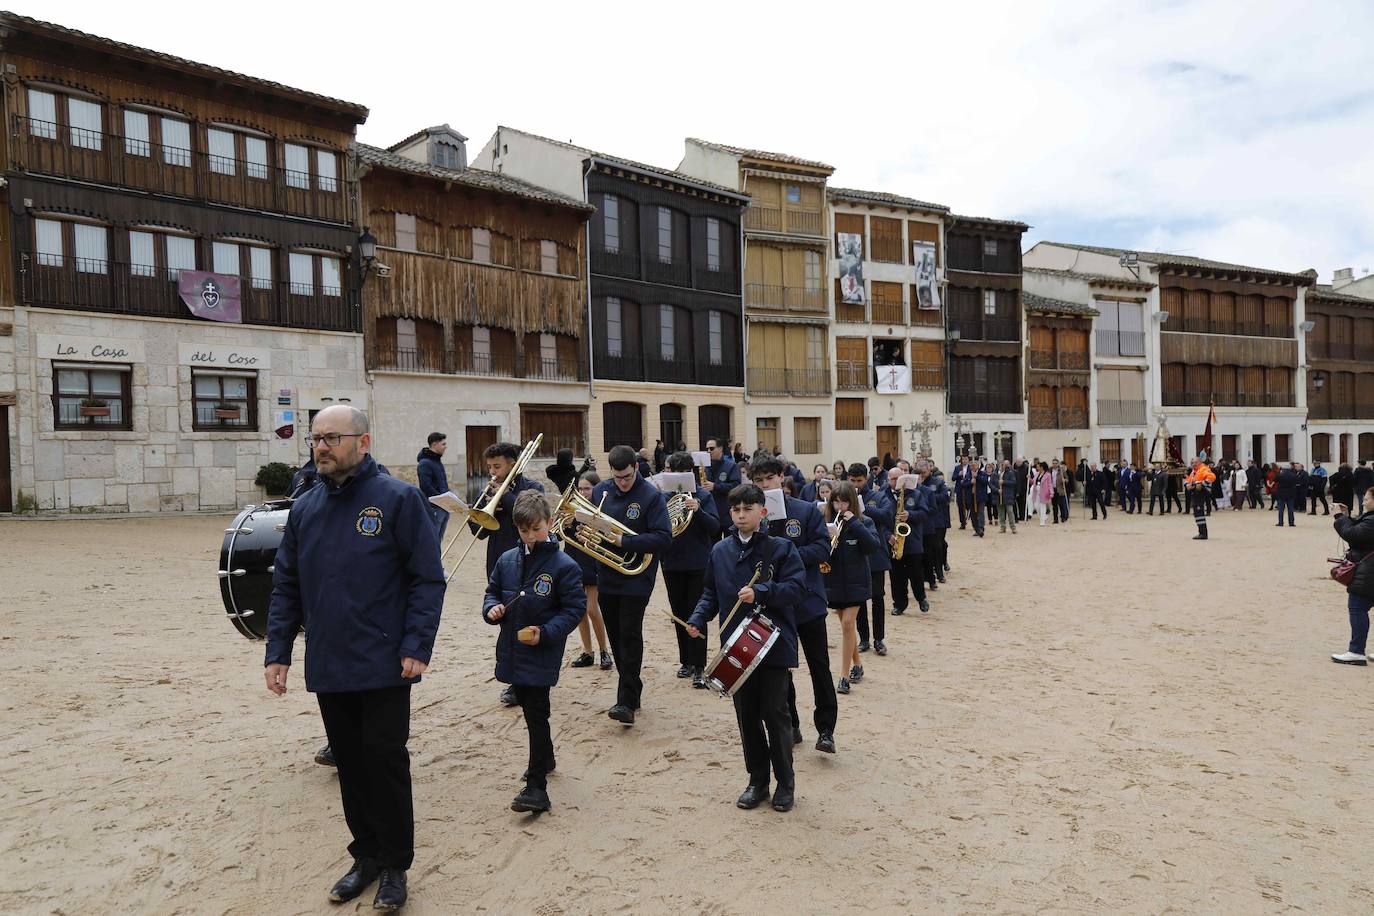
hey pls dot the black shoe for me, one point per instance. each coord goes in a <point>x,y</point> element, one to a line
<point>585,660</point>
<point>509,698</point>
<point>925,606</point>
<point>931,586</point>
<point>898,611</point>
<point>1199,537</point>
<point>533,800</point>
<point>942,578</point>
<point>796,735</point>
<point>856,674</point>
<point>783,799</point>
<point>863,645</point>
<point>355,882</point>
<point>391,890</point>
<point>622,713</point>
<point>699,679</point>
<point>325,757</point>
<point>685,671</point>
<point>752,798</point>
<point>843,686</point>
<point>607,663</point>
<point>946,566</point>
<point>962,527</point>
<point>826,743</point>
<point>880,647</point>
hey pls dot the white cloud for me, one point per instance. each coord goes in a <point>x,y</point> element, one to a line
<point>1240,131</point>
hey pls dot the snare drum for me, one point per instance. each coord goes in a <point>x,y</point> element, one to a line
<point>245,565</point>
<point>741,654</point>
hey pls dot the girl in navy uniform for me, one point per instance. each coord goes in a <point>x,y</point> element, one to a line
<point>849,580</point>
<point>592,621</point>
<point>535,596</point>
<point>684,566</point>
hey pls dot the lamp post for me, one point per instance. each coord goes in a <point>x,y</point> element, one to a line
<point>367,252</point>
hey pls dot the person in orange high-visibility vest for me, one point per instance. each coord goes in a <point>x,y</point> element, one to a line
<point>1199,483</point>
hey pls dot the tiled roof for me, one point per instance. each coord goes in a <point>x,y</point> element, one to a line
<point>472,178</point>
<point>1007,223</point>
<point>1179,260</point>
<point>1092,278</point>
<point>438,128</point>
<point>852,195</point>
<point>762,154</point>
<point>631,164</point>
<point>1325,291</point>
<point>25,23</point>
<point>1036,303</point>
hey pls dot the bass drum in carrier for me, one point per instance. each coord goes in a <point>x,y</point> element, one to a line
<point>246,564</point>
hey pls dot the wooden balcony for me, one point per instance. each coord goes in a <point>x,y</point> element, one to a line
<point>887,248</point>
<point>790,220</point>
<point>986,328</point>
<point>927,318</point>
<point>1058,418</point>
<point>1120,413</point>
<point>927,377</point>
<point>853,376</point>
<point>48,149</point>
<point>1347,411</point>
<point>620,263</point>
<point>1112,342</point>
<point>639,368</point>
<point>856,312</point>
<point>887,312</point>
<point>984,402</point>
<point>1238,328</point>
<point>804,382</point>
<point>784,298</point>
<point>112,287</point>
<point>1228,398</point>
<point>1343,350</point>
<point>1057,361</point>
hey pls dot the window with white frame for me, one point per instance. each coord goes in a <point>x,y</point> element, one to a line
<point>302,272</point>
<point>405,231</point>
<point>715,337</point>
<point>181,255</point>
<point>666,332</point>
<point>86,244</point>
<point>610,212</point>
<point>297,161</point>
<point>813,270</point>
<point>481,245</point>
<point>89,246</point>
<point>815,348</point>
<point>665,235</point>
<point>260,267</point>
<point>137,139</point>
<point>84,124</point>
<point>990,302</point>
<point>326,170</point>
<point>712,243</point>
<point>481,349</point>
<point>220,147</point>
<point>406,339</point>
<point>990,248</point>
<point>159,253</point>
<point>548,349</point>
<point>176,142</point>
<point>331,277</point>
<point>42,114</point>
<point>48,242</point>
<point>548,256</point>
<point>615,328</point>
<point>255,163</point>
<point>224,258</point>
<point>142,254</point>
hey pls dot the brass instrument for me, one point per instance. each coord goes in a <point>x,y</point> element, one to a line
<point>834,542</point>
<point>701,474</point>
<point>902,530</point>
<point>591,537</point>
<point>679,516</point>
<point>484,515</point>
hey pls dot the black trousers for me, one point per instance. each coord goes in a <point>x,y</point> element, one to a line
<point>1326,509</point>
<point>624,617</point>
<point>1256,502</point>
<point>684,590</point>
<point>765,729</point>
<point>1099,501</point>
<point>1173,498</point>
<point>368,731</point>
<point>877,592</point>
<point>534,702</point>
<point>1157,498</point>
<point>932,550</point>
<point>1200,508</point>
<point>815,646</point>
<point>908,577</point>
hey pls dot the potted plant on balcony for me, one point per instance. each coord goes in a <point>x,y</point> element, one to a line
<point>94,407</point>
<point>227,411</point>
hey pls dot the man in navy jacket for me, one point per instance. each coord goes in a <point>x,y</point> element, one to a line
<point>909,573</point>
<point>684,565</point>
<point>358,567</point>
<point>429,469</point>
<point>804,526</point>
<point>936,524</point>
<point>637,504</point>
<point>722,477</point>
<point>761,701</point>
<point>963,488</point>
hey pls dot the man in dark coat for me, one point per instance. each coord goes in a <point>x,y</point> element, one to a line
<point>1254,484</point>
<point>1304,486</point>
<point>1096,482</point>
<point>722,476</point>
<point>304,478</point>
<point>429,468</point>
<point>1316,489</point>
<point>1159,489</point>
<point>358,568</point>
<point>963,486</point>
<point>1286,492</point>
<point>1343,486</point>
<point>1363,479</point>
<point>1022,488</point>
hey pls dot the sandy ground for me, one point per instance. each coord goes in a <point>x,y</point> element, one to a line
<point>1094,717</point>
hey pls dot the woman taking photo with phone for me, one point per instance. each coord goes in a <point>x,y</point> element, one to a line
<point>1359,534</point>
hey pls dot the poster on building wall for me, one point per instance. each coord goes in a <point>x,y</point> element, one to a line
<point>927,281</point>
<point>850,249</point>
<point>894,379</point>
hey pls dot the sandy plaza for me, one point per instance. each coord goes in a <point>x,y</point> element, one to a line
<point>1094,717</point>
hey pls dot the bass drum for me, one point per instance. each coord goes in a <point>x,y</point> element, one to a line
<point>245,565</point>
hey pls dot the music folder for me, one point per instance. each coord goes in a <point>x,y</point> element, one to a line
<point>676,482</point>
<point>450,501</point>
<point>776,505</point>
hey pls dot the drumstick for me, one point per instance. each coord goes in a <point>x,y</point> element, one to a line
<point>684,624</point>
<point>739,601</point>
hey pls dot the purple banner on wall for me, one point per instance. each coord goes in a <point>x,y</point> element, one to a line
<point>210,295</point>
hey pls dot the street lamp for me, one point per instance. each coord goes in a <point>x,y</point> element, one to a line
<point>367,251</point>
<point>1319,381</point>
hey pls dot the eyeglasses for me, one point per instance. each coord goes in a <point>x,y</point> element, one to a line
<point>333,439</point>
<point>629,476</point>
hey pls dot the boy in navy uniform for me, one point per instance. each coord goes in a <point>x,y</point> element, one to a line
<point>637,504</point>
<point>722,476</point>
<point>500,458</point>
<point>535,596</point>
<point>804,526</point>
<point>761,701</point>
<point>881,508</point>
<point>684,566</point>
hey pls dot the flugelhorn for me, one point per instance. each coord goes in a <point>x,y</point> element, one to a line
<point>834,542</point>
<point>593,534</point>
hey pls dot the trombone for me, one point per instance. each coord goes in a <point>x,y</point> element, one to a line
<point>484,514</point>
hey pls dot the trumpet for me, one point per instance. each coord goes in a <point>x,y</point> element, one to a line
<point>902,530</point>
<point>484,515</point>
<point>593,534</point>
<point>834,542</point>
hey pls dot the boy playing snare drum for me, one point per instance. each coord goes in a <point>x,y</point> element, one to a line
<point>765,724</point>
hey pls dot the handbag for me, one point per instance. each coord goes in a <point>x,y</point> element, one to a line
<point>1344,569</point>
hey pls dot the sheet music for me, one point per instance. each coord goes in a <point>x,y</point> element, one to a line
<point>776,504</point>
<point>701,459</point>
<point>450,501</point>
<point>676,481</point>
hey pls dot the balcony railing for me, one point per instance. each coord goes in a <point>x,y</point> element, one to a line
<point>973,402</point>
<point>111,286</point>
<point>491,364</point>
<point>672,273</point>
<point>853,376</point>
<point>1347,411</point>
<point>806,382</point>
<point>409,359</point>
<point>639,368</point>
<point>1075,361</point>
<point>52,149</point>
<point>926,318</point>
<point>1120,343</point>
<point>927,377</point>
<point>986,329</point>
<point>764,219</point>
<point>1058,418</point>
<point>806,446</point>
<point>774,219</point>
<point>554,369</point>
<point>1120,413</point>
<point>1228,398</point>
<point>1340,350</point>
<point>855,312</point>
<point>717,281</point>
<point>620,263</point>
<point>1241,328</point>
<point>790,298</point>
<point>885,312</point>
<point>887,248</point>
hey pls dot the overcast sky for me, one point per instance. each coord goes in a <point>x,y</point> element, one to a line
<point>1241,131</point>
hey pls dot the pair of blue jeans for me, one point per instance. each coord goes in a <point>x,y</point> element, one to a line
<point>1285,504</point>
<point>1359,622</point>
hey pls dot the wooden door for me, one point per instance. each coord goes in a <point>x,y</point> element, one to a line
<point>1070,456</point>
<point>6,496</point>
<point>1138,452</point>
<point>1257,448</point>
<point>889,441</point>
<point>1345,448</point>
<point>478,438</point>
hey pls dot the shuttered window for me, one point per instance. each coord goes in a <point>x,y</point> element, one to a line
<point>623,424</point>
<point>851,413</point>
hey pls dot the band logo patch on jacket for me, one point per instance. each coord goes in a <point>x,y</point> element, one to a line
<point>794,528</point>
<point>632,512</point>
<point>724,476</point>
<point>543,586</point>
<point>370,522</point>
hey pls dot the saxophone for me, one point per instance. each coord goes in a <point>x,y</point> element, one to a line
<point>902,530</point>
